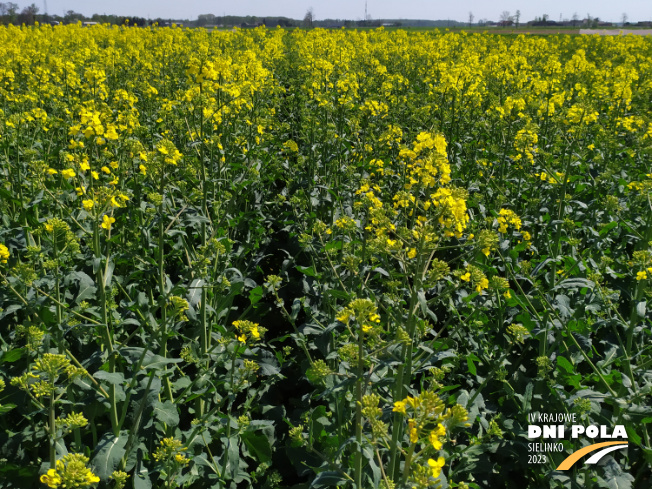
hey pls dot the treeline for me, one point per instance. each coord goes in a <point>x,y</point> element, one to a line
<point>211,20</point>
<point>11,13</point>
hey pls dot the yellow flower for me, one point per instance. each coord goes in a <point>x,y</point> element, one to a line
<point>412,429</point>
<point>95,175</point>
<point>436,466</point>
<point>52,479</point>
<point>483,284</point>
<point>143,169</point>
<point>344,316</point>
<point>4,253</point>
<point>143,156</point>
<point>111,133</point>
<point>88,204</point>
<point>399,407</point>
<point>52,171</point>
<point>106,222</point>
<point>181,459</point>
<point>435,436</point>
<point>106,170</point>
<point>466,277</point>
<point>71,471</point>
<point>412,253</point>
<point>68,173</point>
<point>641,275</point>
<point>80,190</point>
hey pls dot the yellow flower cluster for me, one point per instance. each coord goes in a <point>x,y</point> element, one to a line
<point>476,277</point>
<point>506,218</point>
<point>4,253</point>
<point>70,472</point>
<point>643,274</point>
<point>171,450</point>
<point>363,311</point>
<point>428,416</point>
<point>248,331</point>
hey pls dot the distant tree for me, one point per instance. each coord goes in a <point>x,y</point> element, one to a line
<point>8,12</point>
<point>575,19</point>
<point>624,18</point>
<point>205,19</point>
<point>471,18</point>
<point>71,17</point>
<point>309,18</point>
<point>505,18</point>
<point>517,17</point>
<point>28,15</point>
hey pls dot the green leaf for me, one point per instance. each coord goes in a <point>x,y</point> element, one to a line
<point>116,378</point>
<point>309,271</point>
<point>632,435</point>
<point>258,445</point>
<point>5,408</point>
<point>574,283</point>
<point>12,355</point>
<point>471,366</point>
<point>166,412</point>
<point>255,295</point>
<point>10,310</point>
<point>565,364</point>
<point>141,474</point>
<point>232,456</point>
<point>527,397</point>
<point>328,478</point>
<point>615,477</point>
<point>108,453</point>
<point>608,227</point>
<point>194,292</point>
<point>133,354</point>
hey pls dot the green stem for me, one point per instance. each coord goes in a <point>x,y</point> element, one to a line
<point>358,409</point>
<point>53,430</point>
<point>108,342</point>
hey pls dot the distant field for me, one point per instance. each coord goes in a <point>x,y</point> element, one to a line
<point>306,259</point>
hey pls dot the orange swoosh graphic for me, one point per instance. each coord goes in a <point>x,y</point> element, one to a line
<point>575,456</point>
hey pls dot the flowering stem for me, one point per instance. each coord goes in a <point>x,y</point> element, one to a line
<point>162,291</point>
<point>57,293</point>
<point>105,321</point>
<point>358,409</point>
<point>408,462</point>
<point>53,429</point>
<point>405,369</point>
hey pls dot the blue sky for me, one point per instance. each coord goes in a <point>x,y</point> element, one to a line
<point>354,9</point>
